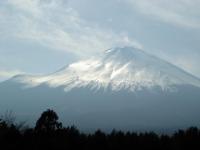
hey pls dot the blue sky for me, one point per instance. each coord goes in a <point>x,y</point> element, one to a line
<point>41,36</point>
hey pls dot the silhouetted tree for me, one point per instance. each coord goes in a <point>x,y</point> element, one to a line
<point>48,121</point>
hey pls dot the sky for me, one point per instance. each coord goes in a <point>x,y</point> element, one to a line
<point>42,36</point>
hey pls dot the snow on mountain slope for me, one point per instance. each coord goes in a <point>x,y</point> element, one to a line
<point>119,68</point>
<point>124,89</point>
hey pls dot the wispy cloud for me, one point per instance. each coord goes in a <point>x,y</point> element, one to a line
<point>53,24</point>
<point>185,13</point>
<point>5,74</point>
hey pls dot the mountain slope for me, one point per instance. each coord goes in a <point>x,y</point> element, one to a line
<point>119,68</point>
<point>124,89</point>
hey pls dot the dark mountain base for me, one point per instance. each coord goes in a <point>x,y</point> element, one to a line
<point>89,110</point>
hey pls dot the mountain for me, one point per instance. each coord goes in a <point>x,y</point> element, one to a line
<point>125,88</point>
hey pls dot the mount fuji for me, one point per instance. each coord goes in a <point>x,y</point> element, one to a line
<point>125,88</point>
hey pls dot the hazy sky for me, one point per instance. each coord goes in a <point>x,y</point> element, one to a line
<point>41,36</point>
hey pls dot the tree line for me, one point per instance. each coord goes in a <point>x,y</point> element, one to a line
<point>49,133</point>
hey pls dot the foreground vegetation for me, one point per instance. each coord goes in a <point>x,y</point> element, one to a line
<point>49,133</point>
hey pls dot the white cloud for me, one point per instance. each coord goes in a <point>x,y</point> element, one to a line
<point>184,13</point>
<point>189,63</point>
<point>5,74</point>
<point>55,25</point>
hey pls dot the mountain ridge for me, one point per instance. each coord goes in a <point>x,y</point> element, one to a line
<point>109,93</point>
<point>124,67</point>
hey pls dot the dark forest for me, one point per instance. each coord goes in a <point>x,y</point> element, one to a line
<point>49,133</point>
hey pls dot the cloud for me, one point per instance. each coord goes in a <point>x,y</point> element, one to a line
<point>189,63</point>
<point>55,25</point>
<point>5,74</point>
<point>185,13</point>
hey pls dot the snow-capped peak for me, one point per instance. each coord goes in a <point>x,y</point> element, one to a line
<point>119,68</point>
